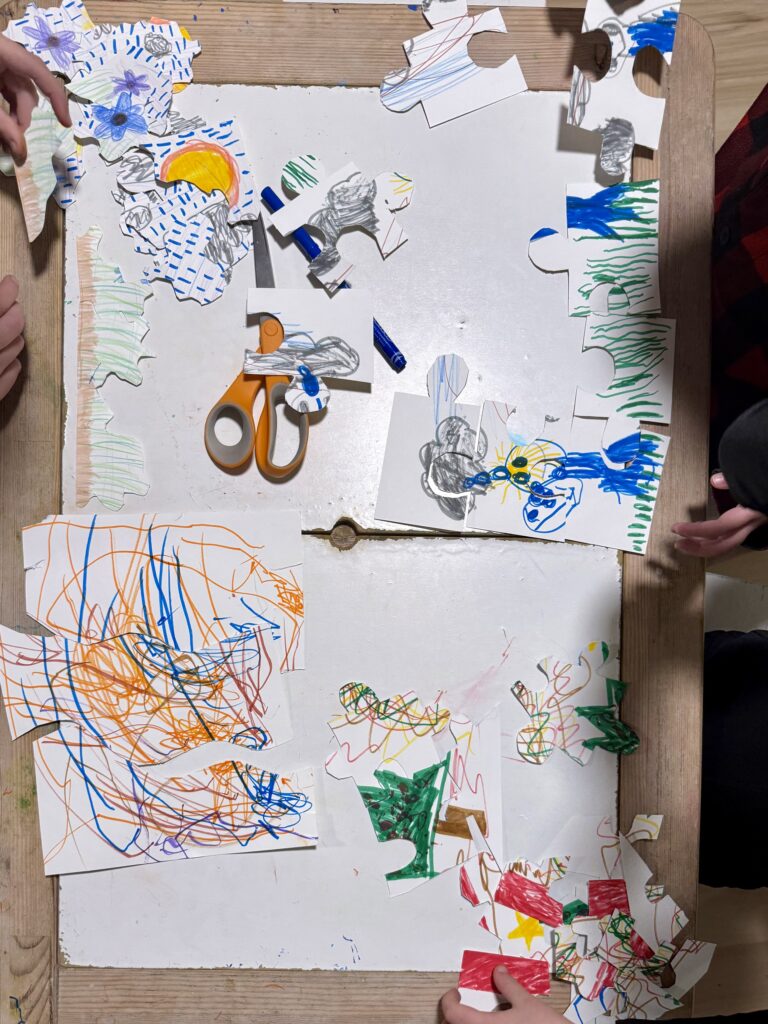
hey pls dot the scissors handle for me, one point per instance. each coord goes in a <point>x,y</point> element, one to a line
<point>236,404</point>
<point>266,433</point>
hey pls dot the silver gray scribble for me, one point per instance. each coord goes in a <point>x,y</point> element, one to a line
<point>348,204</point>
<point>136,172</point>
<point>225,247</point>
<point>618,145</point>
<point>581,89</point>
<point>448,461</point>
<point>178,124</point>
<point>156,44</point>
<point>328,357</point>
<point>138,217</point>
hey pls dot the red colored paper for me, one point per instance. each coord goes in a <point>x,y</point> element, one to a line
<point>467,889</point>
<point>607,895</point>
<point>528,897</point>
<point>477,972</point>
<point>640,947</point>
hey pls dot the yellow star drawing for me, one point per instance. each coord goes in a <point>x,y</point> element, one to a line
<point>528,928</point>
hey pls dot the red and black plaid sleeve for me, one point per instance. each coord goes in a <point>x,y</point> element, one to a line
<point>740,273</point>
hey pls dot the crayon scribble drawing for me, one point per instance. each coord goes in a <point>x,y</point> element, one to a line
<point>643,353</point>
<point>53,167</point>
<point>567,485</point>
<point>575,710</point>
<point>441,74</point>
<point>422,773</point>
<point>101,811</point>
<point>110,329</point>
<point>331,204</point>
<point>602,106</point>
<point>169,634</point>
<point>611,252</point>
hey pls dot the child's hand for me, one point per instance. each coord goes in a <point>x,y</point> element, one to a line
<point>11,338</point>
<point>715,537</point>
<point>524,1008</point>
<point>20,72</point>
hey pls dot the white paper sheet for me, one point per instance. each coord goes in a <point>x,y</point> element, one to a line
<point>100,811</point>
<point>642,350</point>
<point>193,582</point>
<point>612,249</point>
<point>361,607</point>
<point>431,296</point>
<point>594,105</point>
<point>331,336</point>
<point>440,73</point>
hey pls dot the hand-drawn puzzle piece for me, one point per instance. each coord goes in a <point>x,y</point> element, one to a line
<point>147,700</point>
<point>558,721</point>
<point>110,333</point>
<point>101,811</point>
<point>619,480</point>
<point>422,774</point>
<point>430,452</point>
<point>52,167</point>
<point>117,126</point>
<point>512,489</point>
<point>164,42</point>
<point>188,233</point>
<point>322,338</point>
<point>569,484</point>
<point>105,76</point>
<point>614,105</point>
<point>112,325</point>
<point>56,35</point>
<point>476,986</point>
<point>442,76</point>
<point>642,350</point>
<point>612,244</point>
<point>215,159</point>
<point>334,203</point>
<point>600,948</point>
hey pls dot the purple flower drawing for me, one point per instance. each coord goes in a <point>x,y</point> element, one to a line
<point>132,84</point>
<point>116,121</point>
<point>60,45</point>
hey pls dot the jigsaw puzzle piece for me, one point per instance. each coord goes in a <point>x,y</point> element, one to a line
<point>518,490</point>
<point>641,351</point>
<point>434,440</point>
<point>619,467</point>
<point>611,253</point>
<point>576,711</point>
<point>441,74</point>
<point>614,106</point>
<point>339,202</point>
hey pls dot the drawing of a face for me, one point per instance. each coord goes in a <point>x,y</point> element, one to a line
<point>550,504</point>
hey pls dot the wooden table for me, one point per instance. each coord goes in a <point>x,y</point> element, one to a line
<point>662,641</point>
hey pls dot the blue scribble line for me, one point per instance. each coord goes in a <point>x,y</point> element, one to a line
<point>658,32</point>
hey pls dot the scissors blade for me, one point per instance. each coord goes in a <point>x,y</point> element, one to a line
<point>265,278</point>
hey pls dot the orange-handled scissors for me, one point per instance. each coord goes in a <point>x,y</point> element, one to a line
<point>238,400</point>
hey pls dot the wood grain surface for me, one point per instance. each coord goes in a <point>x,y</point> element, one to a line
<point>280,43</point>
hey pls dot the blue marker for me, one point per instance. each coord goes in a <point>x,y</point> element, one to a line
<point>311,249</point>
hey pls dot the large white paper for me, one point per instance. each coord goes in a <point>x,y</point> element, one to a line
<point>240,910</point>
<point>431,297</point>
